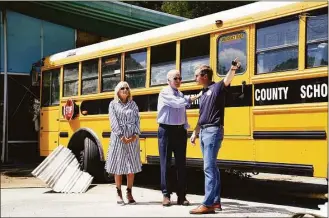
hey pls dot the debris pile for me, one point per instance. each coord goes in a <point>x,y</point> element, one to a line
<point>61,172</point>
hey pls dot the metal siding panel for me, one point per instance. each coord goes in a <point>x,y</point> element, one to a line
<point>61,172</point>
<point>24,44</point>
<point>57,38</point>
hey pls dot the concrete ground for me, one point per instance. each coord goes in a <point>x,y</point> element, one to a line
<point>264,195</point>
<point>100,201</point>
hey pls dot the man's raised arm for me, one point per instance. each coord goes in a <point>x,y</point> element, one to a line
<point>231,73</point>
<point>168,99</point>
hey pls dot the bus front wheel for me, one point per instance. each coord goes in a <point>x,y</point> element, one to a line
<point>90,161</point>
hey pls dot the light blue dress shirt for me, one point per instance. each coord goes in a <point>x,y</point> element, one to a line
<point>172,107</point>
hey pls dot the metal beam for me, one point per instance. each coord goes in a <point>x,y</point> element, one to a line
<point>22,142</point>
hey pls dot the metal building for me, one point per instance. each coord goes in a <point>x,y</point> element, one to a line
<point>32,30</point>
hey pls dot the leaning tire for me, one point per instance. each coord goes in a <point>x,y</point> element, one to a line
<point>91,161</point>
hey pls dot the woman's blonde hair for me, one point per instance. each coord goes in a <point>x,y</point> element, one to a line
<point>117,89</point>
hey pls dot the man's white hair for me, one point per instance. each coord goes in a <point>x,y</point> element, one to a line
<point>117,89</point>
<point>171,73</point>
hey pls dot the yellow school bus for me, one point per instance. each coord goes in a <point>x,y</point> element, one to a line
<point>276,116</point>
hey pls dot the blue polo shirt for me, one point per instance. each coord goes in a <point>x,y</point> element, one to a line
<point>212,104</point>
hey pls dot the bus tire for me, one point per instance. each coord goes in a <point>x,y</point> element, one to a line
<point>107,178</point>
<point>90,161</point>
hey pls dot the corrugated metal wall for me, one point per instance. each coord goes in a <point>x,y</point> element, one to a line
<point>57,38</point>
<point>29,39</point>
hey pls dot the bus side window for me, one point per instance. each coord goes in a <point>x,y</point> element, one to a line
<point>111,72</point>
<point>55,86</point>
<point>135,68</point>
<point>163,59</point>
<point>89,80</point>
<point>277,45</point>
<point>194,52</point>
<point>147,103</point>
<point>317,40</point>
<point>50,88</point>
<point>230,46</point>
<point>71,80</point>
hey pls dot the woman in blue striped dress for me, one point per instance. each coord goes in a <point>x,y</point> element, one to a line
<point>123,154</point>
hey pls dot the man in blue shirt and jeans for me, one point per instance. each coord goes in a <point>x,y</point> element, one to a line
<point>211,124</point>
<point>172,135</point>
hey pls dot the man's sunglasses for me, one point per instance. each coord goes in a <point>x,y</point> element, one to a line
<point>197,75</point>
<point>123,88</point>
<point>178,78</point>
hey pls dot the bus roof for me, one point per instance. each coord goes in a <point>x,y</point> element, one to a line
<point>181,27</point>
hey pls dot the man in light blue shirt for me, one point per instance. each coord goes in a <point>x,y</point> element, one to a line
<point>172,136</point>
<point>172,107</point>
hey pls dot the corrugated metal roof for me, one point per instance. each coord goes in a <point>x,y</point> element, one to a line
<point>113,11</point>
<point>146,16</point>
<point>105,18</point>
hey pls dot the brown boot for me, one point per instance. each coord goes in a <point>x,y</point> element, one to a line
<point>119,197</point>
<point>166,201</point>
<point>130,197</point>
<point>217,206</point>
<point>202,210</point>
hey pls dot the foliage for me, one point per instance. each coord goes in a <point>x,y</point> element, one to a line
<point>189,9</point>
<point>153,5</point>
<point>179,8</point>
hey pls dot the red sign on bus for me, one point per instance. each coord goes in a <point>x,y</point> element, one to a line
<point>69,110</point>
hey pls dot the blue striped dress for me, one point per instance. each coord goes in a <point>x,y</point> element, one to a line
<point>123,158</point>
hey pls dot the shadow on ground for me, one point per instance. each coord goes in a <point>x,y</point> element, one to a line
<point>249,189</point>
<point>53,192</point>
<point>18,170</point>
<point>235,207</point>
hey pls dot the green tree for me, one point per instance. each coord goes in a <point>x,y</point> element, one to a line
<point>179,8</point>
<point>153,5</point>
<point>193,9</point>
<point>189,9</point>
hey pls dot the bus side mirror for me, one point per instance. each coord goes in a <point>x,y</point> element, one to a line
<point>35,76</point>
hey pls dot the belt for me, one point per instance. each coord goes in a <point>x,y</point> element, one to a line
<point>171,126</point>
<point>209,125</point>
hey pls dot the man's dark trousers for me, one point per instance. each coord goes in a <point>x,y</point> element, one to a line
<point>172,139</point>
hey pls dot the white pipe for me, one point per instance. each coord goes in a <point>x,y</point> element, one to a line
<point>6,141</point>
<point>4,155</point>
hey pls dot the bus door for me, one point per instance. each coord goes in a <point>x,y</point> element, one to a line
<point>49,112</point>
<point>237,124</point>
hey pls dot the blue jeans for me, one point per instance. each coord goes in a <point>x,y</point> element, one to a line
<point>210,140</point>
